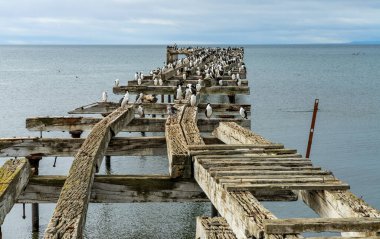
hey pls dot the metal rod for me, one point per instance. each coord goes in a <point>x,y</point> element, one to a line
<point>311,133</point>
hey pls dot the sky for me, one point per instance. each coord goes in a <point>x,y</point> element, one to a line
<point>189,21</point>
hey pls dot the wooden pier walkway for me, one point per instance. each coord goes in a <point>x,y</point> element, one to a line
<point>218,159</point>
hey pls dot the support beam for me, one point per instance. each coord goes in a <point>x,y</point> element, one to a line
<point>61,147</point>
<point>137,125</point>
<point>69,216</point>
<point>14,176</point>
<point>213,228</point>
<point>231,133</point>
<point>118,189</point>
<point>299,225</point>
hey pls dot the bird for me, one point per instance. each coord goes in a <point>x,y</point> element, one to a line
<point>117,82</point>
<point>104,96</point>
<point>229,73</point>
<point>139,98</point>
<point>208,111</point>
<point>155,81</point>
<point>238,82</point>
<point>171,110</point>
<point>160,82</point>
<point>237,76</point>
<point>184,76</point>
<point>193,99</point>
<point>139,81</point>
<point>243,113</point>
<point>140,111</point>
<point>187,93</point>
<point>198,87</point>
<point>125,99</point>
<point>136,76</point>
<point>141,75</point>
<point>178,72</point>
<point>179,93</point>
<point>233,77</point>
<point>220,81</point>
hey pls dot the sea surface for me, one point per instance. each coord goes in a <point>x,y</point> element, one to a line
<point>284,81</point>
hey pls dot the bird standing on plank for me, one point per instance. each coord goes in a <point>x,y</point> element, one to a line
<point>243,113</point>
<point>139,98</point>
<point>140,111</point>
<point>193,99</point>
<point>160,82</point>
<point>155,81</point>
<point>125,100</point>
<point>104,96</point>
<point>198,87</point>
<point>179,93</point>
<point>117,82</point>
<point>208,111</point>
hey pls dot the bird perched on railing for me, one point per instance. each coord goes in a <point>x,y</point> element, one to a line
<point>179,93</point>
<point>117,82</point>
<point>193,99</point>
<point>139,98</point>
<point>243,113</point>
<point>155,81</point>
<point>160,82</point>
<point>233,77</point>
<point>136,75</point>
<point>198,87</point>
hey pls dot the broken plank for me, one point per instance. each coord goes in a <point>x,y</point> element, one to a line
<point>213,228</point>
<point>14,176</point>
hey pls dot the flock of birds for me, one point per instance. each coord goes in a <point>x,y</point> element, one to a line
<point>214,70</point>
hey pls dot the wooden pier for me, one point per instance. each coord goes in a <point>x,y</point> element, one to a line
<point>217,159</point>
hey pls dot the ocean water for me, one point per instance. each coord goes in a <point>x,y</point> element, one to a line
<point>284,81</point>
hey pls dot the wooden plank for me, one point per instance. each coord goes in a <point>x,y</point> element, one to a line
<point>298,225</point>
<point>137,124</point>
<point>234,146</point>
<point>14,176</point>
<point>242,211</point>
<point>213,228</point>
<point>189,127</point>
<point>171,90</point>
<point>227,81</point>
<point>217,174</point>
<point>339,204</point>
<point>225,152</point>
<point>69,216</point>
<point>67,147</point>
<point>341,237</point>
<point>329,185</point>
<point>252,156</point>
<point>118,189</point>
<point>231,133</point>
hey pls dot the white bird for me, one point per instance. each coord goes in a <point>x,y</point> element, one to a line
<point>237,76</point>
<point>198,87</point>
<point>243,113</point>
<point>139,98</point>
<point>238,82</point>
<point>160,82</point>
<point>179,93</point>
<point>233,77</point>
<point>187,93</point>
<point>178,72</point>
<point>184,76</point>
<point>140,111</point>
<point>208,111</point>
<point>193,100</point>
<point>229,73</point>
<point>141,75</point>
<point>104,96</point>
<point>117,82</point>
<point>220,82</point>
<point>139,81</point>
<point>198,72</point>
<point>155,81</point>
<point>125,100</point>
<point>136,75</point>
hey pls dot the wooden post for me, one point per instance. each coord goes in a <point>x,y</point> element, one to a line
<point>108,164</point>
<point>311,133</point>
<point>232,99</point>
<point>169,98</point>
<point>34,163</point>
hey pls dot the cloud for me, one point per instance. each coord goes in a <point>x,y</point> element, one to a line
<point>212,21</point>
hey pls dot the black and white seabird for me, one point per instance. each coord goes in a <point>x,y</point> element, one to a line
<point>193,99</point>
<point>160,82</point>
<point>243,113</point>
<point>139,98</point>
<point>104,96</point>
<point>117,82</point>
<point>208,111</point>
<point>125,99</point>
<point>179,92</point>
<point>140,111</point>
<point>155,81</point>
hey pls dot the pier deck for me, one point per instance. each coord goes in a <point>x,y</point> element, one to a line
<point>234,169</point>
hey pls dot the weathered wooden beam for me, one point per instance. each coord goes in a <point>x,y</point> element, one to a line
<point>66,147</point>
<point>339,204</point>
<point>329,185</point>
<point>242,211</point>
<point>118,189</point>
<point>340,237</point>
<point>243,151</point>
<point>136,125</point>
<point>231,133</point>
<point>227,81</point>
<point>234,146</point>
<point>298,225</point>
<point>171,90</point>
<point>14,176</point>
<point>154,108</point>
<point>69,216</point>
<point>213,228</point>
